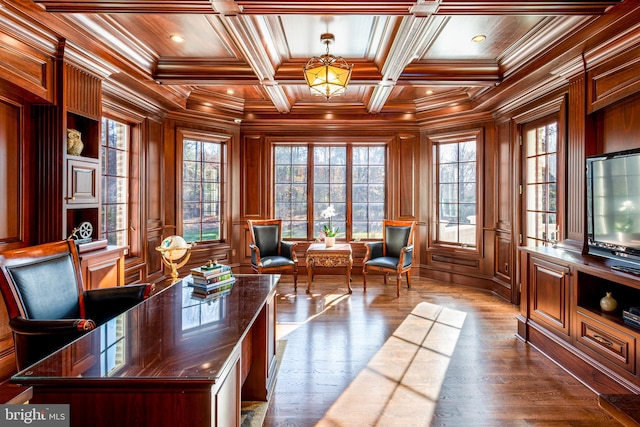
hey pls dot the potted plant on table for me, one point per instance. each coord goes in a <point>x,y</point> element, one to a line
<point>327,229</point>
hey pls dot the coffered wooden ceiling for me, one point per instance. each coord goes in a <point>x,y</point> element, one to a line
<point>408,56</point>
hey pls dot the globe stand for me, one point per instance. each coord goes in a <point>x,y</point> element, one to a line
<point>175,257</point>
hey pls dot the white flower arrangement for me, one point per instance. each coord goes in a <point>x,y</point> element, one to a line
<point>329,230</point>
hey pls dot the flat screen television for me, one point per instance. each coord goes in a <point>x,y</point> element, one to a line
<point>613,206</point>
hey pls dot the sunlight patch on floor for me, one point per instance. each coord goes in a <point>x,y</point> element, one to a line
<point>401,383</point>
<point>327,302</point>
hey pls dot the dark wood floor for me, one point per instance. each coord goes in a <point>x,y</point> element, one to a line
<point>366,360</point>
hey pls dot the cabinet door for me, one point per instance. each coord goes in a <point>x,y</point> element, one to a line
<point>82,182</point>
<point>227,400</point>
<point>103,268</point>
<point>549,295</point>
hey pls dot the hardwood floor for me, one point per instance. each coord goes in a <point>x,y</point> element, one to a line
<point>366,360</point>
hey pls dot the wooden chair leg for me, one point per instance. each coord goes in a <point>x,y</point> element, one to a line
<point>295,280</point>
<point>408,279</point>
<point>364,280</point>
<point>398,281</point>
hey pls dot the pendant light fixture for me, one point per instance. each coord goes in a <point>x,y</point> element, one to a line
<point>327,75</point>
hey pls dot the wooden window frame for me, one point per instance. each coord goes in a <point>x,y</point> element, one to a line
<point>447,138</point>
<point>134,252</point>
<point>524,127</point>
<point>349,143</point>
<point>213,137</point>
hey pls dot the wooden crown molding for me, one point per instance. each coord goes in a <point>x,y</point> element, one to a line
<point>371,7</point>
<point>501,7</point>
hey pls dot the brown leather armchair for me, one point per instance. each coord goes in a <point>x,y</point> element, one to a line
<point>269,254</point>
<point>394,254</point>
<point>46,301</point>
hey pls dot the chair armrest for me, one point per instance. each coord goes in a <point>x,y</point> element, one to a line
<point>255,254</point>
<point>374,250</point>
<point>23,326</point>
<point>104,304</point>
<point>406,256</point>
<point>288,250</point>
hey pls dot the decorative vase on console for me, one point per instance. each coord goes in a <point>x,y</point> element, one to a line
<point>329,241</point>
<point>608,304</point>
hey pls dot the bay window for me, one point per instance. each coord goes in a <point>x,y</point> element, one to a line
<point>351,177</point>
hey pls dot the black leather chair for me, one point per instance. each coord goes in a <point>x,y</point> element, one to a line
<point>46,301</point>
<point>269,253</point>
<point>394,254</point>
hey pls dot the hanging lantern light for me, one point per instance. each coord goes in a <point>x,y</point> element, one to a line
<point>327,75</point>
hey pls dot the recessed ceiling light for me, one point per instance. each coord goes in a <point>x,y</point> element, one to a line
<point>429,92</point>
<point>479,38</point>
<point>230,92</point>
<point>176,38</point>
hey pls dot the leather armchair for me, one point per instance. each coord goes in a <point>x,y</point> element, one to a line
<point>394,254</point>
<point>269,253</point>
<point>46,301</point>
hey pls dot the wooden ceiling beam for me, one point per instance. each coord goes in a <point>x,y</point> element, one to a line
<point>202,71</point>
<point>507,7</point>
<point>369,7</point>
<point>466,73</point>
<point>329,7</point>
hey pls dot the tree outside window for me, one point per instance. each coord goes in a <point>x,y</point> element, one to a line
<point>202,179</point>
<point>455,164</point>
<point>541,148</point>
<point>291,190</point>
<point>115,148</point>
<point>349,176</point>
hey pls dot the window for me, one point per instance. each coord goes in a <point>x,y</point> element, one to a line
<point>541,147</point>
<point>116,138</point>
<point>202,189</point>
<point>456,191</point>
<point>330,187</point>
<point>112,346</point>
<point>196,313</point>
<point>368,194</point>
<point>291,190</point>
<point>310,177</point>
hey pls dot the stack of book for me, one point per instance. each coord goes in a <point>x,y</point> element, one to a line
<point>212,279</point>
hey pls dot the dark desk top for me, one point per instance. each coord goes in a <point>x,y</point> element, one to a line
<point>172,335</point>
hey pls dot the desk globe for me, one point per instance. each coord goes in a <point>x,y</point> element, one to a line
<point>175,253</point>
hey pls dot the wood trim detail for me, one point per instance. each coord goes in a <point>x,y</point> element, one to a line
<point>576,136</point>
<point>407,177</point>
<point>83,93</point>
<point>252,177</point>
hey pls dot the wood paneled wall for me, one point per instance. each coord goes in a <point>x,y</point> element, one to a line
<point>11,152</point>
<point>37,86</point>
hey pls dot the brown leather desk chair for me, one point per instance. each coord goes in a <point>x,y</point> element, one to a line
<point>46,301</point>
<point>394,254</point>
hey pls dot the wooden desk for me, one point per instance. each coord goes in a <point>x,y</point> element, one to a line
<point>172,360</point>
<point>339,255</point>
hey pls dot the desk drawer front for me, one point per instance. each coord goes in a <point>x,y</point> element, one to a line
<point>610,346</point>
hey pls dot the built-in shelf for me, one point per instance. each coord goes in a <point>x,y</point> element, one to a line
<point>561,316</point>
